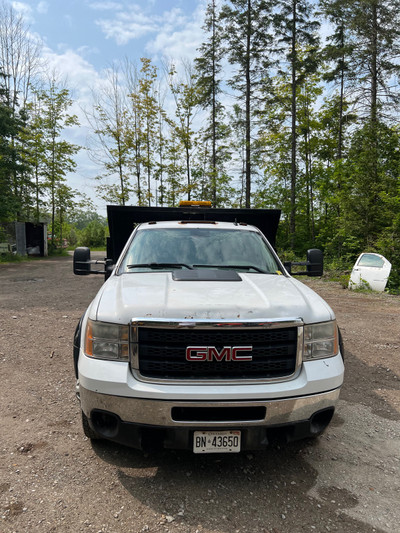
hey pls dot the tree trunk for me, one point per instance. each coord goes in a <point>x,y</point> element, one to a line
<point>248,107</point>
<point>292,222</point>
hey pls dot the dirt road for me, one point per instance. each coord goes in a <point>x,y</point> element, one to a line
<point>54,480</point>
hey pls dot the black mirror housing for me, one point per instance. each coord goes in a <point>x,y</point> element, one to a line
<point>315,262</point>
<point>82,261</point>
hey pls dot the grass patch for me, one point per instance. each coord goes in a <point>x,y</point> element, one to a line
<point>16,258</point>
<point>58,252</point>
<point>339,276</point>
<point>11,258</point>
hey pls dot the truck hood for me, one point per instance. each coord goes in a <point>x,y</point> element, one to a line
<point>158,295</point>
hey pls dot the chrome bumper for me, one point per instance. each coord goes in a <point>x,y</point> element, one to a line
<point>159,413</point>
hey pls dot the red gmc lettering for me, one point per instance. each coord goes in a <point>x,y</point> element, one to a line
<point>196,353</point>
<point>236,355</point>
<point>210,353</point>
<point>213,353</point>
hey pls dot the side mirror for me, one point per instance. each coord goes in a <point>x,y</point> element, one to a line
<point>315,262</point>
<point>82,261</point>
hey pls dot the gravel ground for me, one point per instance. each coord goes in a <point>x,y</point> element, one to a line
<point>53,479</point>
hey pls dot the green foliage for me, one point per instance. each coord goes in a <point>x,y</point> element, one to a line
<point>34,158</point>
<point>79,218</point>
<point>11,164</point>
<point>93,235</point>
<point>388,244</point>
<point>10,258</point>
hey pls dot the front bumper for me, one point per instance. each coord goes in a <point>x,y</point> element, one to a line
<point>146,423</point>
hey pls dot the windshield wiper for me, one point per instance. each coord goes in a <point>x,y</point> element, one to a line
<point>156,266</point>
<point>234,267</point>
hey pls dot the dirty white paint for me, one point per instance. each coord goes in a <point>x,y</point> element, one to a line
<point>370,271</point>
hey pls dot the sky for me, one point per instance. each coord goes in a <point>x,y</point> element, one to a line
<point>82,38</point>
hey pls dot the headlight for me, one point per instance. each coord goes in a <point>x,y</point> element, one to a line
<point>107,341</point>
<point>320,341</point>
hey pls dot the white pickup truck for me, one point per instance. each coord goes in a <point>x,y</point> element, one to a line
<point>200,338</point>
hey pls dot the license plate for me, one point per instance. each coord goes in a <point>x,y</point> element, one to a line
<point>216,441</point>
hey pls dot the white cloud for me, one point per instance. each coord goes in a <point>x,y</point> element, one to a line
<point>81,78</point>
<point>105,6</point>
<point>131,21</point>
<point>128,24</point>
<point>178,37</point>
<point>171,33</point>
<point>23,9</point>
<point>85,50</point>
<point>28,12</point>
<point>42,7</point>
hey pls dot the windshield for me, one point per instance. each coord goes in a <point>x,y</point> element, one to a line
<point>171,248</point>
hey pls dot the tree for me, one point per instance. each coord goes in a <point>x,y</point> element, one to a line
<point>145,104</point>
<point>57,152</point>
<point>110,146</point>
<point>161,142</point>
<point>338,52</point>
<point>94,234</point>
<point>247,24</point>
<point>372,184</point>
<point>175,169</point>
<point>375,28</point>
<point>8,130</point>
<point>186,96</point>
<point>20,64</point>
<point>33,154</point>
<point>12,167</point>
<point>309,128</point>
<point>208,70</point>
<point>19,56</point>
<point>298,41</point>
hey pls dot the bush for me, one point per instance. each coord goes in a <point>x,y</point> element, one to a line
<point>94,235</point>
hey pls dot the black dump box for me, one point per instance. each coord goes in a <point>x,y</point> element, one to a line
<point>123,219</point>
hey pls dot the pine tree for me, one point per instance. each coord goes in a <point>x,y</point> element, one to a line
<point>297,40</point>
<point>8,130</point>
<point>375,27</point>
<point>209,68</point>
<point>338,53</point>
<point>247,26</point>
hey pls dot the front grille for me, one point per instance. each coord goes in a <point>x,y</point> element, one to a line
<point>162,353</point>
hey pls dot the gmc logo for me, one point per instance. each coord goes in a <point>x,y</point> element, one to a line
<point>210,353</point>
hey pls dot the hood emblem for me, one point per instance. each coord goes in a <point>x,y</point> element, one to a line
<point>211,353</point>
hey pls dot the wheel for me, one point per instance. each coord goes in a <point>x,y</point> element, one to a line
<point>87,430</point>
